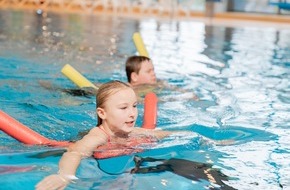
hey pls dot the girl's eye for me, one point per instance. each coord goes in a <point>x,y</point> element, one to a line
<point>135,105</point>
<point>123,108</point>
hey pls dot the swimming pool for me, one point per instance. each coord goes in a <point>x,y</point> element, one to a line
<point>241,75</point>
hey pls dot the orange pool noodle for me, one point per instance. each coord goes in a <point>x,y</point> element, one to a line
<point>150,111</point>
<point>19,131</point>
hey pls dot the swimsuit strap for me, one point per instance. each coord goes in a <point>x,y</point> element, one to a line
<point>105,133</point>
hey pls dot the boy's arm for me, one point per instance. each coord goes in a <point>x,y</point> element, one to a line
<point>168,86</point>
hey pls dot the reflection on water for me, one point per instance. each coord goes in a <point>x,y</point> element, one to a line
<point>241,76</point>
<point>237,134</point>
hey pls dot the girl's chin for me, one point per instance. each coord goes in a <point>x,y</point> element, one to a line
<point>128,129</point>
<point>125,132</point>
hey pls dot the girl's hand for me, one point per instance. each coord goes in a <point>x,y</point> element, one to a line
<point>55,182</point>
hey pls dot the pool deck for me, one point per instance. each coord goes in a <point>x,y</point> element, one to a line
<point>221,18</point>
<point>254,19</point>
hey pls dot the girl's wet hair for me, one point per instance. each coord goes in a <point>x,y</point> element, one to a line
<point>105,91</point>
<point>133,64</point>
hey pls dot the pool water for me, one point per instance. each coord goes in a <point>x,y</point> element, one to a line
<point>240,74</point>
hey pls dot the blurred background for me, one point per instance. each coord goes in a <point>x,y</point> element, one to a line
<point>157,7</point>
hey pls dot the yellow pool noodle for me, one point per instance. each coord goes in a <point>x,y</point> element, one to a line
<point>140,44</point>
<point>76,77</point>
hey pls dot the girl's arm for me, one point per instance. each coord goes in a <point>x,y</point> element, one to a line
<point>71,160</point>
<point>159,134</point>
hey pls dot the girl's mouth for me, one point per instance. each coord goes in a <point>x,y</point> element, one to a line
<point>130,123</point>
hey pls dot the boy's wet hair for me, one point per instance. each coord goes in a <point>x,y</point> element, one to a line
<point>133,64</point>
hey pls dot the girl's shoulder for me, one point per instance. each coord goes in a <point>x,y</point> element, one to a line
<point>97,136</point>
<point>94,131</point>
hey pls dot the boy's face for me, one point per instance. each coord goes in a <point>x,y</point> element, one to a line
<point>146,74</point>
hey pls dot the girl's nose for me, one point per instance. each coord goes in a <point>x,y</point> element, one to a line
<point>133,112</point>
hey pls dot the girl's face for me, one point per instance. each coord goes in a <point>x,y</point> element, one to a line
<point>146,74</point>
<point>120,111</point>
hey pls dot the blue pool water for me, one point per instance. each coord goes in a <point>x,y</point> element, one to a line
<point>241,75</point>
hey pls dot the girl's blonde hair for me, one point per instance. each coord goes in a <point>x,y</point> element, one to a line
<point>105,91</point>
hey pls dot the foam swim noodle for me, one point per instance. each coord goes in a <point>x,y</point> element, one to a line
<point>76,77</point>
<point>140,44</point>
<point>150,111</point>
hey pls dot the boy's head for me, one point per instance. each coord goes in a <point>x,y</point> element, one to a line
<point>140,70</point>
